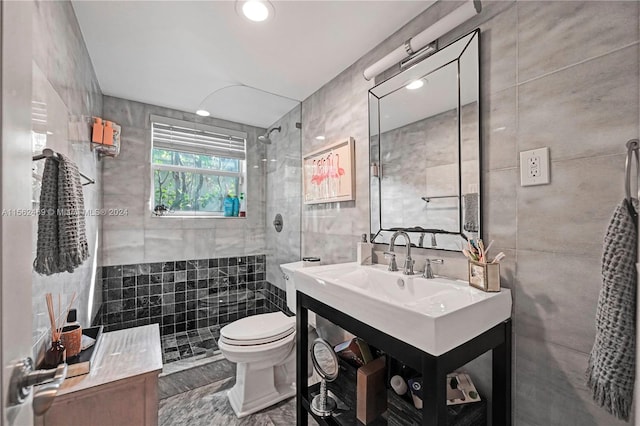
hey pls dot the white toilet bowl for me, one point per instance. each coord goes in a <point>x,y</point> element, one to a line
<point>264,348</point>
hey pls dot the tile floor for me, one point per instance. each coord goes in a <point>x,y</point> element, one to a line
<point>198,397</point>
<point>191,343</point>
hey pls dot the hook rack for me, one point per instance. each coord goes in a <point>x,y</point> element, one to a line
<point>48,153</point>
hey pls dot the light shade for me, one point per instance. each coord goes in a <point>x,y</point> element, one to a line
<point>458,16</point>
<point>203,113</point>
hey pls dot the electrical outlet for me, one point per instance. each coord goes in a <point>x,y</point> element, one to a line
<point>534,167</point>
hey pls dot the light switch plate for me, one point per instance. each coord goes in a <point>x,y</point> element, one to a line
<point>534,167</point>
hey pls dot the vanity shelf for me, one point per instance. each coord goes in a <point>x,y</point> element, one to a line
<point>434,368</point>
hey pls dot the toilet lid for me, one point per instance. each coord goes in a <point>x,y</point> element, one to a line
<point>258,329</point>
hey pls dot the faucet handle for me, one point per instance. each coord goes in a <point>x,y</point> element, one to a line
<point>428,272</point>
<point>393,266</point>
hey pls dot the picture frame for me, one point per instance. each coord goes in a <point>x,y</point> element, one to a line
<point>329,173</point>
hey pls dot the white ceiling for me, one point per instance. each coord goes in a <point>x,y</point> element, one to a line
<point>177,53</point>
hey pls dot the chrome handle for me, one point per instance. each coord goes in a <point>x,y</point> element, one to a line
<point>46,394</point>
<point>428,272</point>
<point>278,222</point>
<point>25,377</point>
<point>392,263</point>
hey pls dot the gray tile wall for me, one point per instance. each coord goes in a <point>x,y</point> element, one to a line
<point>66,91</point>
<point>557,74</point>
<point>284,196</point>
<point>140,237</point>
<point>187,294</point>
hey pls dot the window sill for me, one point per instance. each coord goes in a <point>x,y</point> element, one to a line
<point>200,216</point>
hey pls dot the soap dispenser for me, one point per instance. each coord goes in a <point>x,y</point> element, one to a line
<point>98,129</point>
<point>365,251</point>
<point>107,133</point>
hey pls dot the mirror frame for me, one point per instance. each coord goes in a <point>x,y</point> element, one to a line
<point>422,68</point>
<point>321,372</point>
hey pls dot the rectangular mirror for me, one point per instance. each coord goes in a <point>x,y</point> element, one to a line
<point>424,135</point>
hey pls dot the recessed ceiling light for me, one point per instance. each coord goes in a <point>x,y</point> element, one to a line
<point>320,138</point>
<point>264,159</point>
<point>255,10</point>
<point>416,84</point>
<point>203,113</point>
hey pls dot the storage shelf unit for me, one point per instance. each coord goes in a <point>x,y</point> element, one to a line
<point>434,368</point>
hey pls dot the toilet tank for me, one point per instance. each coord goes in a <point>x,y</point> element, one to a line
<point>287,270</point>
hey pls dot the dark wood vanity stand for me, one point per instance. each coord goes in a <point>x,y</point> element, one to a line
<point>434,368</point>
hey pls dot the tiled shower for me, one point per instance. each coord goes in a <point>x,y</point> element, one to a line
<point>193,275</point>
<point>187,294</point>
<point>189,299</point>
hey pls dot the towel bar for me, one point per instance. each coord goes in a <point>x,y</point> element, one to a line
<point>48,153</point>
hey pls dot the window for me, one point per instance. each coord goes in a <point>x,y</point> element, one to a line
<point>194,167</point>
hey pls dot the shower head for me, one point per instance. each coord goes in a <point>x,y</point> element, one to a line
<point>265,138</point>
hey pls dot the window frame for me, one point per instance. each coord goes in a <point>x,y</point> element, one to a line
<point>241,174</point>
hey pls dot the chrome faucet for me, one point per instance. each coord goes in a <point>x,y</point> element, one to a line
<point>428,272</point>
<point>408,261</point>
<point>434,242</point>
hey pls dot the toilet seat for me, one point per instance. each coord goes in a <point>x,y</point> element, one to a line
<point>258,329</point>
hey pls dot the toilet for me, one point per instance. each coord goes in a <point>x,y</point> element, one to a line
<point>264,348</point>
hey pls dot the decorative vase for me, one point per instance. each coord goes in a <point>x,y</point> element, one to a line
<point>55,355</point>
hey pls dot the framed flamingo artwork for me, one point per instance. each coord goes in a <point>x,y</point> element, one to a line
<point>329,174</point>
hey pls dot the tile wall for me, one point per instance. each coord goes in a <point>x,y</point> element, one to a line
<point>558,74</point>
<point>65,96</point>
<point>187,294</point>
<point>140,237</point>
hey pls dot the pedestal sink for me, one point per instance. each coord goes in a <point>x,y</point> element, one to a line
<point>434,315</point>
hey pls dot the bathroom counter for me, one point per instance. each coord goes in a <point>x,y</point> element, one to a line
<point>120,389</point>
<point>121,354</point>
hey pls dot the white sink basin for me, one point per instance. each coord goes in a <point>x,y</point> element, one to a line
<point>435,315</point>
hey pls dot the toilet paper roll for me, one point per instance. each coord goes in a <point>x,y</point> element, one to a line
<point>399,385</point>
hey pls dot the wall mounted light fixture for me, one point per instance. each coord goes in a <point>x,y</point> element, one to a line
<point>414,45</point>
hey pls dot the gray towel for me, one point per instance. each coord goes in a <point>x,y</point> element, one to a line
<point>471,212</point>
<point>610,374</point>
<point>62,243</point>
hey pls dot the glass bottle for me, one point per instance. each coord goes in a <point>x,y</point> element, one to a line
<point>55,355</point>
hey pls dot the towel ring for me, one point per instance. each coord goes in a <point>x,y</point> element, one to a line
<point>632,148</point>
